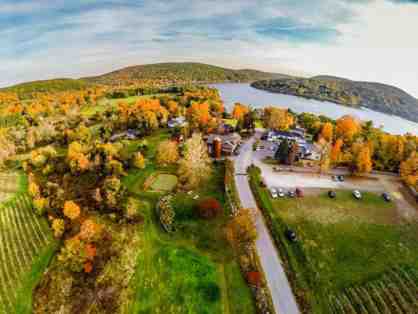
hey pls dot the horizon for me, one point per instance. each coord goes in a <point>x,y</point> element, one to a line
<point>362,40</point>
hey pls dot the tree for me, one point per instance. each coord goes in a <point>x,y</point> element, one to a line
<point>363,160</point>
<point>241,230</point>
<point>58,226</point>
<point>209,208</point>
<point>71,210</point>
<point>347,127</point>
<point>239,111</point>
<point>324,161</point>
<point>277,119</point>
<point>282,153</point>
<point>409,170</point>
<point>139,160</point>
<point>7,148</point>
<point>293,153</point>
<point>327,131</point>
<point>167,153</point>
<point>196,166</point>
<point>336,151</point>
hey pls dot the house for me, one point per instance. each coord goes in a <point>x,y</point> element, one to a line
<point>310,152</point>
<point>177,122</point>
<point>229,143</point>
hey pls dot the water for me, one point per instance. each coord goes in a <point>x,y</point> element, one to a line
<point>245,94</point>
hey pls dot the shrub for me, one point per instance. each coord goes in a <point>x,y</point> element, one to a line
<point>209,208</point>
<point>58,225</point>
<point>211,291</point>
<point>71,210</point>
<point>254,278</point>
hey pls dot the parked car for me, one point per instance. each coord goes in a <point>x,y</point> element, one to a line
<point>332,194</point>
<point>273,193</point>
<point>290,235</point>
<point>386,197</point>
<point>291,194</point>
<point>335,178</point>
<point>341,178</point>
<point>299,192</point>
<point>277,169</point>
<point>357,194</point>
<point>281,192</point>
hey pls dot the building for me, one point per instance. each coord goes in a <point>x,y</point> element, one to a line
<point>177,122</point>
<point>310,152</point>
<point>229,143</point>
<point>292,135</point>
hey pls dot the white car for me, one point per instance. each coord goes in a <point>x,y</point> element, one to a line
<point>357,194</point>
<point>281,192</point>
<point>273,192</point>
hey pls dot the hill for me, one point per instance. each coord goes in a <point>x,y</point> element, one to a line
<point>25,90</point>
<point>376,96</point>
<point>181,73</point>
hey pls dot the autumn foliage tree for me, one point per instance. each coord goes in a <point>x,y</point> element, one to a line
<point>277,118</point>
<point>327,131</point>
<point>363,161</point>
<point>209,208</point>
<point>196,166</point>
<point>336,151</point>
<point>347,127</point>
<point>241,230</point>
<point>240,111</point>
<point>167,153</point>
<point>409,170</point>
<point>71,210</point>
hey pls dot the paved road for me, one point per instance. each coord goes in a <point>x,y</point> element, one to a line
<point>283,299</point>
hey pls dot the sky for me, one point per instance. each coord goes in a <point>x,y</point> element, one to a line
<point>369,40</point>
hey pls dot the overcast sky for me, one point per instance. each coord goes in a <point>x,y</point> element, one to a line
<point>371,40</point>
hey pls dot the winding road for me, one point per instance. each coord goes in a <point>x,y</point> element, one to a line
<point>284,301</point>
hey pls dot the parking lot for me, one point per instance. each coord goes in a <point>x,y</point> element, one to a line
<point>311,182</point>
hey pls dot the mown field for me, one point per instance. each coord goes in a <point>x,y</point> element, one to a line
<point>26,245</point>
<point>192,270</point>
<point>351,256</point>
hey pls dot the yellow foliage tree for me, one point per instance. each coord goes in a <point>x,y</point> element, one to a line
<point>167,153</point>
<point>409,170</point>
<point>277,118</point>
<point>71,210</point>
<point>364,160</point>
<point>327,131</point>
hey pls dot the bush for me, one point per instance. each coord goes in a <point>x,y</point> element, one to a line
<point>209,208</point>
<point>254,278</point>
<point>211,291</point>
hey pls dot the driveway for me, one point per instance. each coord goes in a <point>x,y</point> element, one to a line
<point>284,301</point>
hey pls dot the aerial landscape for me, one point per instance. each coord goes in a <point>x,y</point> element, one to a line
<point>208,157</point>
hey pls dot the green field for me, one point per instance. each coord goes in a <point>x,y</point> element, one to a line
<point>164,183</point>
<point>192,270</point>
<point>26,246</point>
<point>352,256</point>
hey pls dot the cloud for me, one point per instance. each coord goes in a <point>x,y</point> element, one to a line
<point>45,39</point>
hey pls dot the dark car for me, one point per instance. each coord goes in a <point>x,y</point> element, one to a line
<point>332,194</point>
<point>341,178</point>
<point>386,197</point>
<point>299,192</point>
<point>290,235</point>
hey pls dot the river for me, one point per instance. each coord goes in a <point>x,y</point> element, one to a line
<point>245,94</point>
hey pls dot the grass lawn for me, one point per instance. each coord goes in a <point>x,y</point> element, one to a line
<point>192,270</point>
<point>164,183</point>
<point>344,245</point>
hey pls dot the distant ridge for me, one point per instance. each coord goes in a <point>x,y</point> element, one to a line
<point>376,96</point>
<point>181,72</point>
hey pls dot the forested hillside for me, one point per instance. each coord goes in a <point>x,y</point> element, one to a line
<point>375,96</point>
<point>180,73</point>
<point>26,90</point>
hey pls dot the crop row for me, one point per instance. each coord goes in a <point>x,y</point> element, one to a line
<point>395,292</point>
<point>22,236</point>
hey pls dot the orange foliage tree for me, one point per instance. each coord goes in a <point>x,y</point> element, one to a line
<point>327,131</point>
<point>347,127</point>
<point>240,111</point>
<point>71,210</point>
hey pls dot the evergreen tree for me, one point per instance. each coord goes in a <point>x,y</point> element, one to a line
<point>282,152</point>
